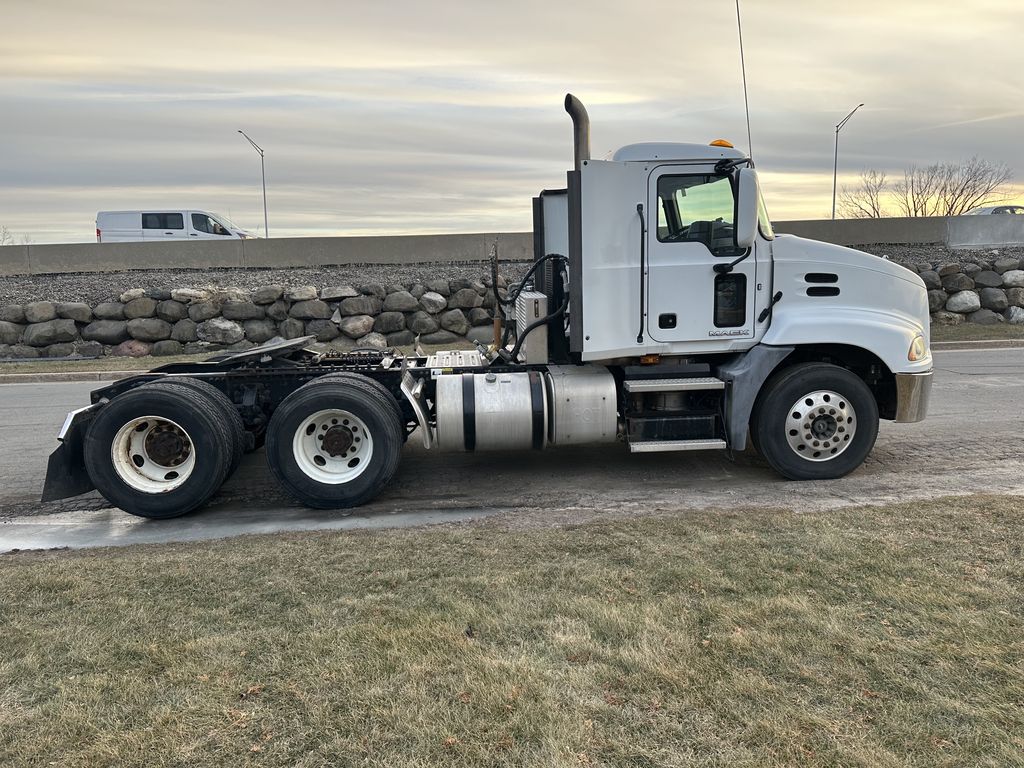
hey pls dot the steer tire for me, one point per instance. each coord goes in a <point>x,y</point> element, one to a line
<point>239,436</point>
<point>335,442</point>
<point>836,428</point>
<point>139,476</point>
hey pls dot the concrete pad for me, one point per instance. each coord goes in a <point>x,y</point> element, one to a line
<point>14,260</point>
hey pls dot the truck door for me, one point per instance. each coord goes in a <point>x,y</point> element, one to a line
<point>203,226</point>
<point>689,232</point>
<point>163,226</point>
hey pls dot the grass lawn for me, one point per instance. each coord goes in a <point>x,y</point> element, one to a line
<point>972,332</point>
<point>878,636</point>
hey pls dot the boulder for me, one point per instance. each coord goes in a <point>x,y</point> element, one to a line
<point>240,346</point>
<point>360,305</point>
<point>1014,278</point>
<point>259,331</point>
<point>433,302</point>
<point>24,351</point>
<point>78,311</point>
<point>373,340</point>
<point>478,286</point>
<point>957,282</point>
<point>373,289</point>
<point>1015,297</point>
<point>338,292</point>
<point>184,331</point>
<point>465,298</point>
<point>291,328</point>
<point>50,332</point>
<point>931,279</point>
<point>190,295</point>
<point>1005,264</point>
<point>947,318</point>
<point>481,334</point>
<point>936,300</point>
<point>988,279</point>
<point>993,298</point>
<point>300,293</point>
<point>109,332</point>
<point>480,316</point>
<point>1015,316</point>
<point>948,269</point>
<point>11,333</point>
<point>312,309</point>
<point>200,347</point>
<point>417,290</point>
<point>172,311</point>
<point>422,322</point>
<point>219,330</point>
<point>439,337</point>
<point>964,302</point>
<point>400,301</point>
<point>140,307</point>
<point>40,311</point>
<point>241,310</point>
<point>14,313</point>
<point>986,317</point>
<point>132,348</point>
<point>921,267</point>
<point>453,320</point>
<point>132,294</point>
<point>203,310</point>
<point>324,330</point>
<point>389,322</point>
<point>219,295</point>
<point>6,351</point>
<point>342,344</point>
<point>109,310</point>
<point>439,286</point>
<point>970,269</point>
<point>401,339</point>
<point>167,347</point>
<point>88,349</point>
<point>158,294</point>
<point>278,310</point>
<point>149,329</point>
<point>64,349</point>
<point>458,284</point>
<point>356,326</point>
<point>268,294</point>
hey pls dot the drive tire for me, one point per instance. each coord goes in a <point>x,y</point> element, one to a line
<point>117,450</point>
<point>831,402</point>
<point>239,436</point>
<point>335,443</point>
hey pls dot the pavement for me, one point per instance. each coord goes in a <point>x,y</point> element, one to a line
<point>970,443</point>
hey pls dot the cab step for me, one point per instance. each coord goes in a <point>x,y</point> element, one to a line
<point>660,446</point>
<point>674,385</point>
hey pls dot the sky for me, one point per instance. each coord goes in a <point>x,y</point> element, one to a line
<point>406,117</point>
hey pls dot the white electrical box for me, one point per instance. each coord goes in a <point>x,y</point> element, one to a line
<point>531,306</point>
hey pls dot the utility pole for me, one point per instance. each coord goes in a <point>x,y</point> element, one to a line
<point>835,161</point>
<point>263,174</point>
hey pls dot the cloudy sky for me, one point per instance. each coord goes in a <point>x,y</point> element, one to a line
<point>445,116</point>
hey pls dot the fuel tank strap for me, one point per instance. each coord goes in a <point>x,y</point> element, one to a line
<point>468,412</point>
<point>537,402</point>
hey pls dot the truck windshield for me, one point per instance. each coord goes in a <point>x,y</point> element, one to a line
<point>697,208</point>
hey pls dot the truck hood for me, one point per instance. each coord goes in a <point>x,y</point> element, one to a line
<point>791,247</point>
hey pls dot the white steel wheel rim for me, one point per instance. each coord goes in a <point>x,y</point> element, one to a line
<point>153,454</point>
<point>332,446</point>
<point>821,425</point>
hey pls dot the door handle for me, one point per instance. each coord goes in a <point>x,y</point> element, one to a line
<point>193,234</point>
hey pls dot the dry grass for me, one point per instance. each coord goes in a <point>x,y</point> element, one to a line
<point>884,636</point>
<point>972,332</point>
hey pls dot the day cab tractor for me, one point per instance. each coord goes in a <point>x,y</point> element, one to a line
<point>661,312</point>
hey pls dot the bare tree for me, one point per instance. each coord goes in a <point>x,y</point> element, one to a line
<point>865,200</point>
<point>950,189</point>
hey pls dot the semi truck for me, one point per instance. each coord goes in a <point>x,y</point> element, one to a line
<point>661,312</point>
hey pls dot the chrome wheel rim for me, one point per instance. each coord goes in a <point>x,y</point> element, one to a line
<point>821,425</point>
<point>332,446</point>
<point>153,454</point>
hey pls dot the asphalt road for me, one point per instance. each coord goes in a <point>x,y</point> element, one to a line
<point>971,442</point>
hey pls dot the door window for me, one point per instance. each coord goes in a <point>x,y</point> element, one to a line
<point>698,208</point>
<point>163,221</point>
<point>203,223</point>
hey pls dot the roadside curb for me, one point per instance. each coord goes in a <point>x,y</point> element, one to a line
<point>984,344</point>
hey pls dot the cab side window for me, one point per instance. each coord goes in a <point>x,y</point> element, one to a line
<point>698,208</point>
<point>203,223</point>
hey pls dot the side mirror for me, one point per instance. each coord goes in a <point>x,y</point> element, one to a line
<point>747,196</point>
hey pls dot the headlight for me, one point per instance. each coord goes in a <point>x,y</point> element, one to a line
<point>918,349</point>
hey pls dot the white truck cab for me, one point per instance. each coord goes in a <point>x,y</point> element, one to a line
<point>164,224</point>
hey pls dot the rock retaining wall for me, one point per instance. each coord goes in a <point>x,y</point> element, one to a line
<point>987,292</point>
<point>194,320</point>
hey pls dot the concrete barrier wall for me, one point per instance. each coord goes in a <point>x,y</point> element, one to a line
<point>985,231</point>
<point>274,253</point>
<point>904,231</point>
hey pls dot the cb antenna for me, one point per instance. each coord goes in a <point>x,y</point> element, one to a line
<point>743,67</point>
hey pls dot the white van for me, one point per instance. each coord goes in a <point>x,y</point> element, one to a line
<point>156,224</point>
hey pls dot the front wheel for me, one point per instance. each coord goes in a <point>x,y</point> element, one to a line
<point>815,421</point>
<point>335,442</point>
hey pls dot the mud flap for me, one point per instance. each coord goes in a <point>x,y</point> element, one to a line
<point>65,470</point>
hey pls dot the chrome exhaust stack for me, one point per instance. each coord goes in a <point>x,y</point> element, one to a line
<point>580,129</point>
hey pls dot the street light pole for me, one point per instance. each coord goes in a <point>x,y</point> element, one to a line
<point>263,174</point>
<point>835,161</point>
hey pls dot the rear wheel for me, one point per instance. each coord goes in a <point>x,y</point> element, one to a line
<point>158,452</point>
<point>335,442</point>
<point>815,421</point>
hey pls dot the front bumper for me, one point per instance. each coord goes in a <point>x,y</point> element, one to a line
<point>913,391</point>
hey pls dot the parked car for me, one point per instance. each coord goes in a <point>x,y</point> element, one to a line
<point>157,224</point>
<point>1011,209</point>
